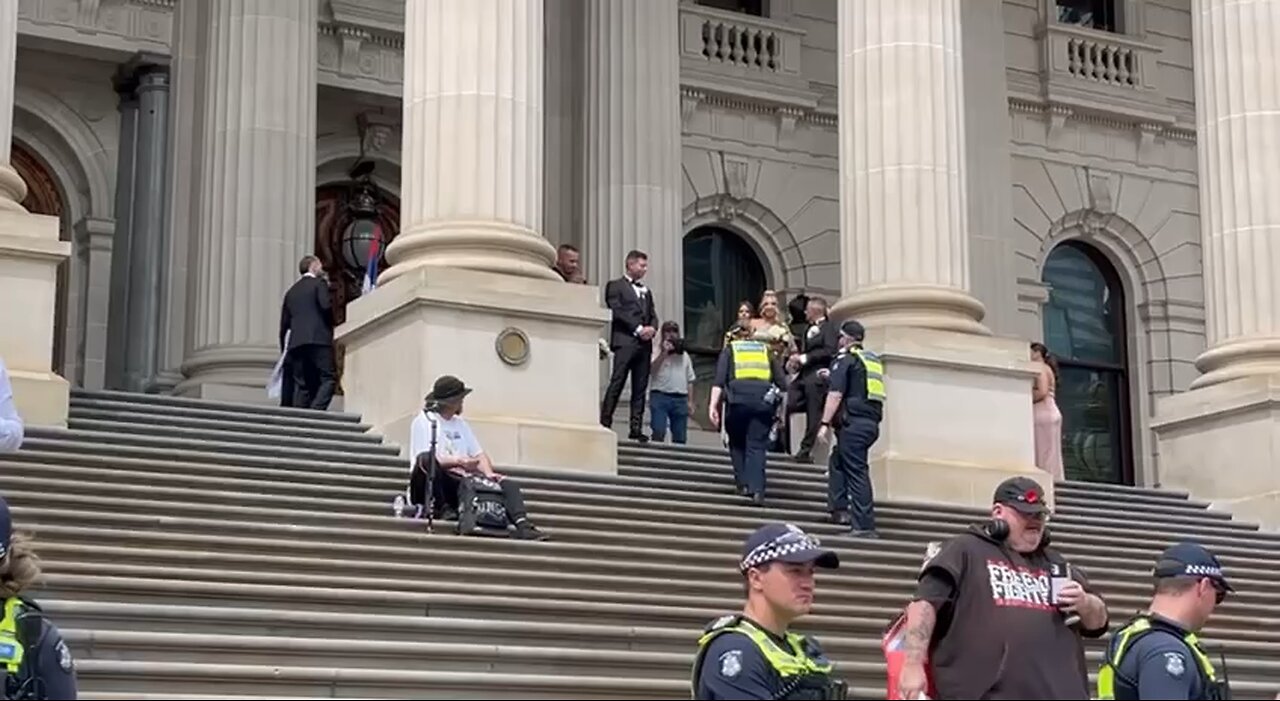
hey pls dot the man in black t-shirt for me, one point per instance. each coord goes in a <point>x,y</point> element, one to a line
<point>986,615</point>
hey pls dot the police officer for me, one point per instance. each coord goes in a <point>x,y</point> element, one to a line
<point>856,395</point>
<point>32,650</point>
<point>753,655</point>
<point>751,383</point>
<point>1157,655</point>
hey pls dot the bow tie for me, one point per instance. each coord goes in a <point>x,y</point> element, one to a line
<point>637,283</point>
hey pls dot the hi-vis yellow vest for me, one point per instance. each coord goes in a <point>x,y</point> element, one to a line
<point>11,652</point>
<point>789,663</point>
<point>750,361</point>
<point>875,374</point>
<point>1123,642</point>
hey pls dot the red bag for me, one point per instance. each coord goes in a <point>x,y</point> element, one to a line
<point>895,657</point>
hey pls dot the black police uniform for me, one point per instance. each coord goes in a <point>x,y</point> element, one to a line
<point>1156,658</point>
<point>849,473</point>
<point>47,670</point>
<point>748,415</point>
<point>739,659</point>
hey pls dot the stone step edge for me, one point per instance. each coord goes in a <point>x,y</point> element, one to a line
<point>354,444</point>
<point>166,400</point>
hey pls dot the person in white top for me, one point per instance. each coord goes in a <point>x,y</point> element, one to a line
<point>458,454</point>
<point>11,429</point>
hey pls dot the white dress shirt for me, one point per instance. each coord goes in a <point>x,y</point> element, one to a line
<point>11,430</point>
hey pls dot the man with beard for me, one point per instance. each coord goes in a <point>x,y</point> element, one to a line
<point>753,655</point>
<point>989,617</point>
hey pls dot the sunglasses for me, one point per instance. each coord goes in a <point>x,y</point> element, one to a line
<point>1220,591</point>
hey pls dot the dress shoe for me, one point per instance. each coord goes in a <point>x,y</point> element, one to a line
<point>841,518</point>
<point>639,437</point>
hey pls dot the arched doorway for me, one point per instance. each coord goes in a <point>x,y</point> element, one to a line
<point>1086,328</point>
<point>720,270</point>
<point>335,214</point>
<point>45,197</point>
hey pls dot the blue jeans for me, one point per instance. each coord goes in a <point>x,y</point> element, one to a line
<point>669,409</point>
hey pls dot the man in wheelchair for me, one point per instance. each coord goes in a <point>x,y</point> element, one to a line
<point>463,480</point>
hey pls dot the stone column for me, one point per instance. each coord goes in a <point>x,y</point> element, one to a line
<point>138,261</point>
<point>1231,417</point>
<point>472,148</point>
<point>30,252</point>
<point>94,238</point>
<point>118,315</point>
<point>904,204</point>
<point>958,417</point>
<point>256,214</point>
<point>562,191</point>
<point>470,291</point>
<point>633,137</point>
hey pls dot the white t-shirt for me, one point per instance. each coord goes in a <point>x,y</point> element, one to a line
<point>453,437</point>
<point>11,429</point>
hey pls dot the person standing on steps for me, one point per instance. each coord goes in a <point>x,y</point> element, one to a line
<point>37,659</point>
<point>1157,655</point>
<point>11,427</point>
<point>751,384</point>
<point>754,654</point>
<point>634,325</point>
<point>307,319</point>
<point>818,345</point>
<point>856,395</point>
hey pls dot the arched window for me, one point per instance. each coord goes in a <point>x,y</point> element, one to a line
<point>720,270</point>
<point>1085,327</point>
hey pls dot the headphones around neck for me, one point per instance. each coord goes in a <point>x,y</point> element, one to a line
<point>998,531</point>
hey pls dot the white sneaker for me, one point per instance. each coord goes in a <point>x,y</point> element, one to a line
<point>397,506</point>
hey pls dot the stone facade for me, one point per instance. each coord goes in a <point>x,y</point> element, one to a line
<point>692,117</point>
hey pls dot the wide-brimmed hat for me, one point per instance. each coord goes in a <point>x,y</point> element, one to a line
<point>447,387</point>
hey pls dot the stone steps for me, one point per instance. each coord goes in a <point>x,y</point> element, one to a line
<point>188,546</point>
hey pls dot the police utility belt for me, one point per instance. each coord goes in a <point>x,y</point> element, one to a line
<point>1109,674</point>
<point>804,675</point>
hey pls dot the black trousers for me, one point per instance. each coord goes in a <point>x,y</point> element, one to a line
<point>630,360</point>
<point>808,394</point>
<point>314,378</point>
<point>445,487</point>
<point>849,480</point>
<point>747,426</point>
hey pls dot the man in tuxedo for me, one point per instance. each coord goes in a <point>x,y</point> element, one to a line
<point>818,346</point>
<point>307,317</point>
<point>631,335</point>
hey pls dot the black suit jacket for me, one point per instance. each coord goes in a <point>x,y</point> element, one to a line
<point>819,350</point>
<point>308,313</point>
<point>628,312</point>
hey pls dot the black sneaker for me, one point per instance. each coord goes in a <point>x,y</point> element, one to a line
<point>639,437</point>
<point>525,530</point>
<point>867,534</point>
<point>757,499</point>
<point>841,518</point>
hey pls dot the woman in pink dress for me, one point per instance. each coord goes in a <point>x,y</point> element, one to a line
<point>1048,420</point>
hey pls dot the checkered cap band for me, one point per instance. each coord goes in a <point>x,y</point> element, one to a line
<point>777,548</point>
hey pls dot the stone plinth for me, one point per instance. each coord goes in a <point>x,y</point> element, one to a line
<point>433,321</point>
<point>30,252</point>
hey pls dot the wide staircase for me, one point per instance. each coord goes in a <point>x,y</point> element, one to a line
<point>197,549</point>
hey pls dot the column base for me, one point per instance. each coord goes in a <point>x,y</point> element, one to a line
<point>921,306</point>
<point>229,373</point>
<point>542,412</point>
<point>30,252</point>
<point>1222,443</point>
<point>958,418</point>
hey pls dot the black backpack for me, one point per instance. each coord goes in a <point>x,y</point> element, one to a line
<point>482,510</point>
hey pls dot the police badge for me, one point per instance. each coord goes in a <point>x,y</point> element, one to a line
<point>1174,664</point>
<point>64,657</point>
<point>731,664</point>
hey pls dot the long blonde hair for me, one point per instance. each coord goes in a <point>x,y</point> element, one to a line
<point>20,569</point>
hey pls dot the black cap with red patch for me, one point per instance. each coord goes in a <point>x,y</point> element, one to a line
<point>1023,494</point>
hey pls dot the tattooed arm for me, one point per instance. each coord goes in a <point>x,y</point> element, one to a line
<point>921,617</point>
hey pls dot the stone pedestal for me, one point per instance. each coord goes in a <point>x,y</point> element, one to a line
<point>958,416</point>
<point>30,252</point>
<point>1221,440</point>
<point>435,321</point>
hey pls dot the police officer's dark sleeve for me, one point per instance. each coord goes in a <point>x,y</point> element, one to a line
<point>1165,668</point>
<point>734,668</point>
<point>779,373</point>
<point>54,665</point>
<point>839,375</point>
<point>723,364</point>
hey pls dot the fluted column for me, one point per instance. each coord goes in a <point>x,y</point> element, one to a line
<point>903,213</point>
<point>256,200</point>
<point>12,189</point>
<point>1237,123</point>
<point>472,169</point>
<point>633,137</point>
